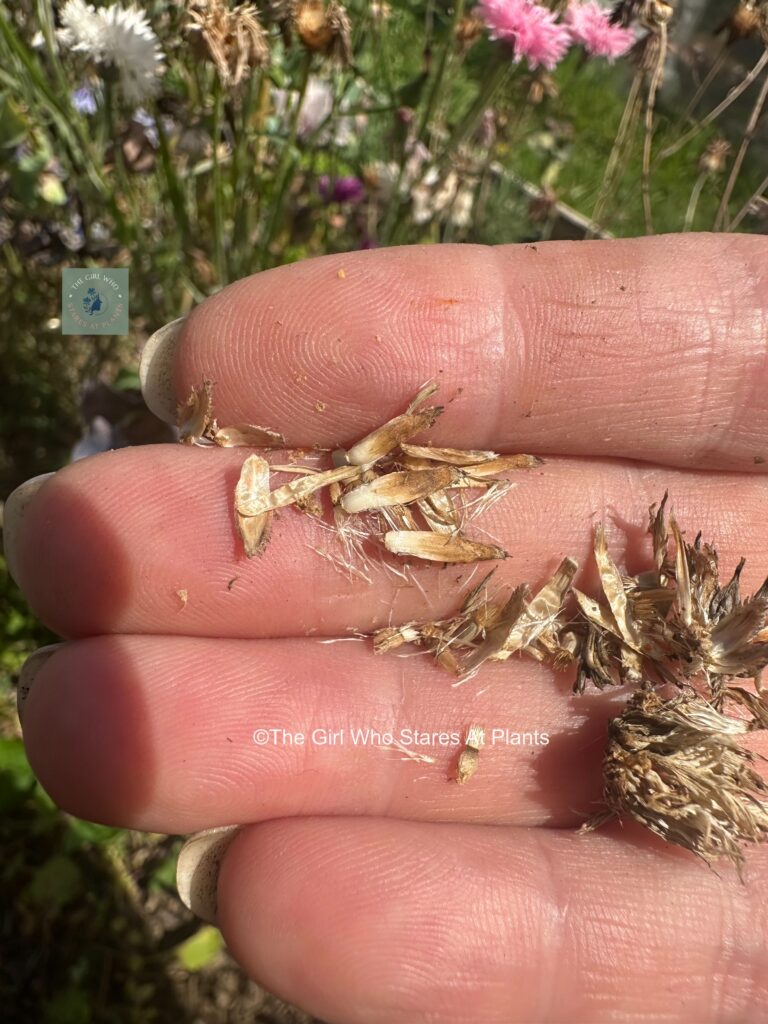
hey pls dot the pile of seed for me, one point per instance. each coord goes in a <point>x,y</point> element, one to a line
<point>674,633</point>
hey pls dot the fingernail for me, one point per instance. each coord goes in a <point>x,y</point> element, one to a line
<point>13,514</point>
<point>28,674</point>
<point>156,370</point>
<point>197,870</point>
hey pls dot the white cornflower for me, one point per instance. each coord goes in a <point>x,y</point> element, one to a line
<point>116,35</point>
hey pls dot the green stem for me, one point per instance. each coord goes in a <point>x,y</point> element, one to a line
<point>219,249</point>
<point>286,164</point>
<point>438,81</point>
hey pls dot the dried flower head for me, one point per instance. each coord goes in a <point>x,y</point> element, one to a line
<point>231,36</point>
<point>676,624</point>
<point>324,28</point>
<point>676,767</point>
<point>714,156</point>
<point>743,21</point>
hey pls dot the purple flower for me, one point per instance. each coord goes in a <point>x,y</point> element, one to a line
<point>84,100</point>
<point>347,189</point>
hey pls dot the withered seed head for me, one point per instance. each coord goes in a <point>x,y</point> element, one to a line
<point>677,768</point>
<point>232,37</point>
<point>324,28</point>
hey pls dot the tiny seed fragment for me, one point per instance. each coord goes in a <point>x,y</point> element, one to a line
<point>469,758</point>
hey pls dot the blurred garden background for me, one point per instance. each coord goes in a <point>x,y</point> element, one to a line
<point>198,142</point>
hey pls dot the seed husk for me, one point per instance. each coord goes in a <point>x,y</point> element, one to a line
<point>436,547</point>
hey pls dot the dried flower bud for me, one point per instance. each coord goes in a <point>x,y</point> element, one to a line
<point>743,21</point>
<point>324,29</point>
<point>713,158</point>
<point>468,30</point>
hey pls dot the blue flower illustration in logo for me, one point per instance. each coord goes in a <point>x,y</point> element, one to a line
<point>93,302</point>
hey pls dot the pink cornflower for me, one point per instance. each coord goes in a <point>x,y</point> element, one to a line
<point>589,24</point>
<point>530,28</point>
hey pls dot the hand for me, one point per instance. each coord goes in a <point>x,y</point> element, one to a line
<point>365,886</point>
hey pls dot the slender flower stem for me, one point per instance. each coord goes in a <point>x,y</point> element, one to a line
<point>219,247</point>
<point>732,96</point>
<point>282,177</point>
<point>717,64</point>
<point>721,220</point>
<point>650,106</point>
<point>613,165</point>
<point>498,74</point>
<point>757,194</point>
<point>693,202</point>
<point>438,82</point>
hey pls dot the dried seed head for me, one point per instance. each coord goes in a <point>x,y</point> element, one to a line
<point>231,37</point>
<point>324,28</point>
<point>468,30</point>
<point>435,547</point>
<point>677,768</point>
<point>713,158</point>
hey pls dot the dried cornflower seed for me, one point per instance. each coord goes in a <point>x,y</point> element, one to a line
<point>469,758</point>
<point>398,488</point>
<point>454,456</point>
<point>253,488</point>
<point>385,439</point>
<point>248,435</point>
<point>676,767</point>
<point>437,547</point>
<point>291,493</point>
